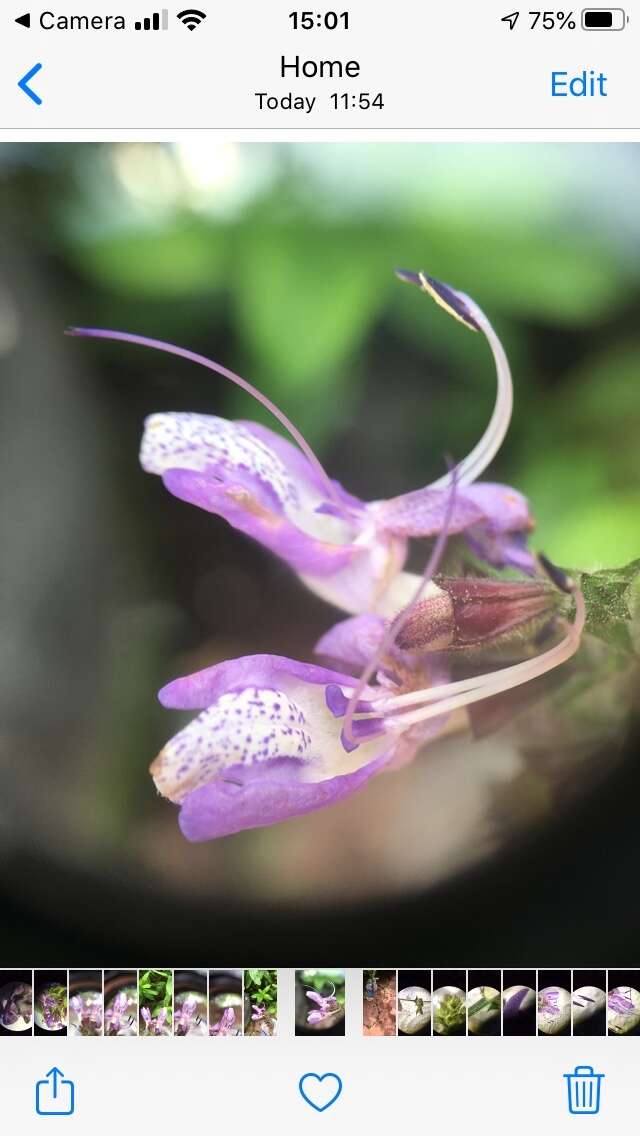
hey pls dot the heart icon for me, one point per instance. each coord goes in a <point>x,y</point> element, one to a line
<point>320,1091</point>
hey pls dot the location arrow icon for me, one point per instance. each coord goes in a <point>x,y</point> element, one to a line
<point>24,20</point>
<point>511,19</point>
<point>23,84</point>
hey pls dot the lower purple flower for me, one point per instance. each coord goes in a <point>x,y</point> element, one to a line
<point>268,742</point>
<point>327,1006</point>
<point>265,746</point>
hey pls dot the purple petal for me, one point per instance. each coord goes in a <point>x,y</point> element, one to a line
<point>503,508</point>
<point>503,551</point>
<point>199,690</point>
<point>244,506</point>
<point>499,508</point>
<point>203,443</point>
<point>352,641</point>
<point>222,808</point>
<point>299,468</point>
<point>423,512</point>
<point>259,710</point>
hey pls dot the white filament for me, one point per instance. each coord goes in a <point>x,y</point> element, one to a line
<point>475,463</point>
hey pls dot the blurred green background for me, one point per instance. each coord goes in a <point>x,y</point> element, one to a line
<point>276,260</point>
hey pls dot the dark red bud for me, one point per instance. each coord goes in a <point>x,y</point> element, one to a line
<point>477,613</point>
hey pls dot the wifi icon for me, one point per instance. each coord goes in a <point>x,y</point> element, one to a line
<point>192,18</point>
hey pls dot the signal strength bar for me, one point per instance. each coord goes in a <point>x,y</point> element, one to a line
<point>155,23</point>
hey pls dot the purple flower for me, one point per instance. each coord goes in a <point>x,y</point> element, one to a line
<point>185,1015</point>
<point>346,550</point>
<point>154,1026</point>
<point>85,1014</point>
<point>258,1013</point>
<point>226,1024</point>
<point>15,1004</point>
<point>327,1006</point>
<point>118,1017</point>
<point>276,738</point>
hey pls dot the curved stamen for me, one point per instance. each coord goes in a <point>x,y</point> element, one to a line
<point>396,625</point>
<point>211,365</point>
<point>454,695</point>
<point>464,309</point>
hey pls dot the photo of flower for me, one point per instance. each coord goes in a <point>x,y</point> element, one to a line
<point>322,525</point>
<point>50,1002</point>
<point>85,1003</point>
<point>155,1001</point>
<point>319,1003</point>
<point>414,1003</point>
<point>379,1003</point>
<point>623,1006</point>
<point>120,1003</point>
<point>260,1003</point>
<point>589,1003</point>
<point>190,999</point>
<point>225,1003</point>
<point>16,1003</point>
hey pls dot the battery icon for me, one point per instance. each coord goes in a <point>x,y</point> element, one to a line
<point>604,19</point>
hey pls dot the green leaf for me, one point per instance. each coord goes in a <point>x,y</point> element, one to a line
<point>612,598</point>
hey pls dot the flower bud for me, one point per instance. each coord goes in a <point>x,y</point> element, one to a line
<point>478,613</point>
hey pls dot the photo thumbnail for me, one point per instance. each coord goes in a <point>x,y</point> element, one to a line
<point>484,1003</point>
<point>225,1003</point>
<point>379,1003</point>
<point>623,1003</point>
<point>191,1003</point>
<point>320,1003</point>
<point>16,1003</point>
<point>414,1003</point>
<point>449,1003</point>
<point>260,1003</point>
<point>85,1003</point>
<point>589,1003</point>
<point>50,1002</point>
<point>121,1003</point>
<point>519,1006</point>
<point>155,1002</point>
<point>554,1002</point>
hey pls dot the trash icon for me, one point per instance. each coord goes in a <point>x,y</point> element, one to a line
<point>584,1089</point>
